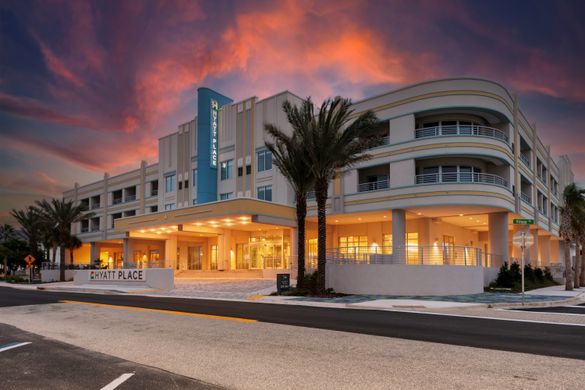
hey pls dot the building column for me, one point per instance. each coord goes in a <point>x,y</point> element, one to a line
<point>544,251</point>
<point>94,252</point>
<point>224,244</point>
<point>127,252</point>
<point>399,234</point>
<point>532,255</point>
<point>498,237</point>
<point>170,259</point>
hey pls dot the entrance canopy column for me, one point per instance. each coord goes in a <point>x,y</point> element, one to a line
<point>532,257</point>
<point>94,252</point>
<point>170,259</point>
<point>498,237</point>
<point>127,252</point>
<point>399,233</point>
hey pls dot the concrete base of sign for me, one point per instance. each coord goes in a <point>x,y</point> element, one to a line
<point>159,278</point>
<point>54,275</point>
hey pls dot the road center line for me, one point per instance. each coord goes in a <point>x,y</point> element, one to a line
<point>183,313</point>
<point>118,381</point>
<point>12,346</point>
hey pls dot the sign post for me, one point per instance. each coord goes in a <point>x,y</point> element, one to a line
<point>523,240</point>
<point>29,263</point>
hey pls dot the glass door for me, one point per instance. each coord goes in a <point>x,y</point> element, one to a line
<point>195,255</point>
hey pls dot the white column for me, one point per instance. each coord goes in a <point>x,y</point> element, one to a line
<point>532,257</point>
<point>127,252</point>
<point>94,252</point>
<point>399,234</point>
<point>544,251</point>
<point>170,252</point>
<point>498,237</point>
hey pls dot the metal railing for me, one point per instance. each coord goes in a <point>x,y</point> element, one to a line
<point>154,193</point>
<point>409,255</point>
<point>311,195</point>
<point>526,198</point>
<point>84,229</point>
<point>116,200</point>
<point>373,185</point>
<point>461,130</point>
<point>461,177</point>
<point>96,206</point>
<point>525,159</point>
<point>542,179</point>
<point>146,264</point>
<point>130,198</point>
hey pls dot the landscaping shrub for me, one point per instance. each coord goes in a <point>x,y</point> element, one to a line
<point>533,277</point>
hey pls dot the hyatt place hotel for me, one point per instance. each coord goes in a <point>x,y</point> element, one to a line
<point>431,212</point>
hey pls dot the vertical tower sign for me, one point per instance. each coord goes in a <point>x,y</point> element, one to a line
<point>213,133</point>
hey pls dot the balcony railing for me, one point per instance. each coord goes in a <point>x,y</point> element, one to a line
<point>542,179</point>
<point>373,185</point>
<point>461,177</point>
<point>130,198</point>
<point>154,193</point>
<point>409,255</point>
<point>116,200</point>
<point>461,130</point>
<point>526,198</point>
<point>84,229</point>
<point>525,159</point>
<point>95,206</point>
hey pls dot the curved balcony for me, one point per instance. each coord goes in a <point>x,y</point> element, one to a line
<point>374,185</point>
<point>462,130</point>
<point>461,177</point>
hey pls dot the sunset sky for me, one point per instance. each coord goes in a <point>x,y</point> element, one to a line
<point>89,86</point>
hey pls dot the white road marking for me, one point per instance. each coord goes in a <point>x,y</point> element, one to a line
<point>12,346</point>
<point>488,318</point>
<point>118,381</point>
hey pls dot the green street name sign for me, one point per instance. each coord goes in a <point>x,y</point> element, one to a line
<point>523,221</point>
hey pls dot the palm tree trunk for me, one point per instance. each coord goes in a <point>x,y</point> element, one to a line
<point>71,255</point>
<point>54,254</point>
<point>321,196</point>
<point>301,215</point>
<point>578,260</point>
<point>582,278</point>
<point>568,273</point>
<point>5,266</point>
<point>62,263</point>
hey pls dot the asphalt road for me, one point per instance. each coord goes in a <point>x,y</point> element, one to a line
<point>45,364</point>
<point>528,337</point>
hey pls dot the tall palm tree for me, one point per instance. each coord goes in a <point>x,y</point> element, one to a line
<point>7,233</point>
<point>61,214</point>
<point>289,155</point>
<point>573,205</point>
<point>334,141</point>
<point>73,243</point>
<point>30,222</point>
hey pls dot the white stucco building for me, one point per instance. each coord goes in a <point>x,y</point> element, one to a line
<point>433,206</point>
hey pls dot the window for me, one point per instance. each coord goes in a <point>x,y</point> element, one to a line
<point>129,213</point>
<point>213,258</point>
<point>412,248</point>
<point>387,244</point>
<point>226,196</point>
<point>195,177</point>
<point>240,171</point>
<point>170,183</point>
<point>169,206</point>
<point>355,245</point>
<point>180,185</point>
<point>264,160</point>
<point>117,197</point>
<point>265,193</point>
<point>154,188</point>
<point>84,225</point>
<point>186,183</point>
<point>194,202</point>
<point>227,169</point>
<point>153,209</point>
<point>248,169</point>
<point>114,217</point>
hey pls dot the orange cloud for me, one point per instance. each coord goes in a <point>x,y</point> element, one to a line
<point>58,67</point>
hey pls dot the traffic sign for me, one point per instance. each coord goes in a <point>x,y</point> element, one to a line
<point>523,221</point>
<point>523,239</point>
<point>29,260</point>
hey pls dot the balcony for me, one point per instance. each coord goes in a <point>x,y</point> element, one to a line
<point>84,229</point>
<point>130,198</point>
<point>525,159</point>
<point>373,185</point>
<point>95,206</point>
<point>461,177</point>
<point>526,198</point>
<point>542,179</point>
<point>154,193</point>
<point>116,200</point>
<point>461,130</point>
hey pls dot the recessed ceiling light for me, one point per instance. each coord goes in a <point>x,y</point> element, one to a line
<point>385,216</point>
<point>337,220</point>
<point>419,213</point>
<point>360,218</point>
<point>461,215</point>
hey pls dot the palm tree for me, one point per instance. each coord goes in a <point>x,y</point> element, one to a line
<point>332,143</point>
<point>289,155</point>
<point>30,222</point>
<point>7,233</point>
<point>73,243</point>
<point>573,206</point>
<point>61,214</point>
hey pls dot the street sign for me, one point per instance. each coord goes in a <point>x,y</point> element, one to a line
<point>29,261</point>
<point>523,239</point>
<point>523,221</point>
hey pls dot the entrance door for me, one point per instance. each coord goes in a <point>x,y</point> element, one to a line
<point>195,258</point>
<point>448,249</point>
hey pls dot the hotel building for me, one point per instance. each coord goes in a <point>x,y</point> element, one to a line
<point>433,207</point>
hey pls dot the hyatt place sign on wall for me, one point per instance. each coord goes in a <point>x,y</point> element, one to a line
<point>126,275</point>
<point>213,134</point>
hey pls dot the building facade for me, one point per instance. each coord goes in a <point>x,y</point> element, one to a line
<point>458,163</point>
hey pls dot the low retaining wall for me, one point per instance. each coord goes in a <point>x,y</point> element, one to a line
<point>54,275</point>
<point>490,274</point>
<point>401,279</point>
<point>159,278</point>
